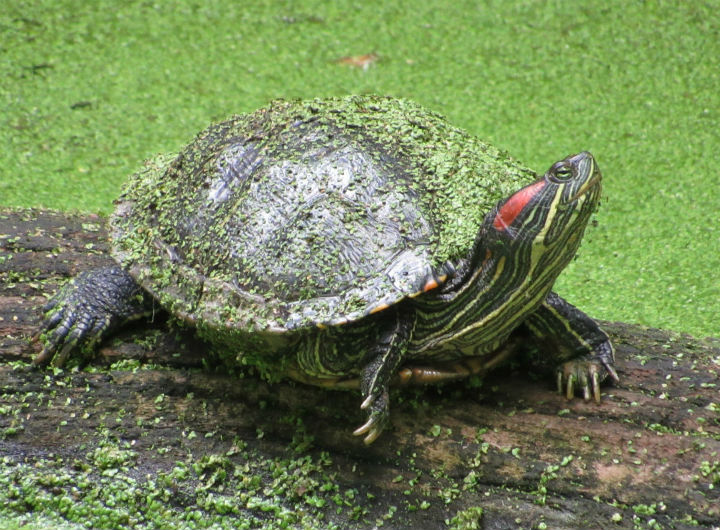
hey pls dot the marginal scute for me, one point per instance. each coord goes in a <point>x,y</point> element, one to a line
<point>377,309</point>
<point>430,285</point>
<point>308,213</point>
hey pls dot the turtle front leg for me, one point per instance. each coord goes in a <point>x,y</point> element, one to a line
<point>377,374</point>
<point>86,308</point>
<point>562,332</point>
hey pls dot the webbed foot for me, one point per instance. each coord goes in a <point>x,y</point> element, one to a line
<point>85,309</point>
<point>585,373</point>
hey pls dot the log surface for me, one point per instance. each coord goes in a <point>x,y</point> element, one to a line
<point>648,455</point>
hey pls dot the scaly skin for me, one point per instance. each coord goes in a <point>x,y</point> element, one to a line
<point>86,309</point>
<point>376,377</point>
<point>558,331</point>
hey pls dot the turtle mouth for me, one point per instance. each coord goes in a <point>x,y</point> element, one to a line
<point>589,185</point>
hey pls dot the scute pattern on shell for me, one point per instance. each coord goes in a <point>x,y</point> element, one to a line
<point>308,212</point>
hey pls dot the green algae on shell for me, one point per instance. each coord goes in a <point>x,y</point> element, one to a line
<point>291,216</point>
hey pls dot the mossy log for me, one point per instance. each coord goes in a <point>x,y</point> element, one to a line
<point>150,434</point>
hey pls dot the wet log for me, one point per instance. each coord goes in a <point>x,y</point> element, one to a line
<point>150,434</point>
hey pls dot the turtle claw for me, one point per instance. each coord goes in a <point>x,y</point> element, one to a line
<point>586,374</point>
<point>371,429</point>
<point>69,324</point>
<point>611,371</point>
<point>379,413</point>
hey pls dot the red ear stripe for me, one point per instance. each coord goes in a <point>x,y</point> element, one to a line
<point>515,204</point>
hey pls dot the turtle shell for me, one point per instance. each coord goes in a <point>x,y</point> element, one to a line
<point>308,213</point>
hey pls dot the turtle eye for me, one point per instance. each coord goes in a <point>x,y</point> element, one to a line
<point>563,173</point>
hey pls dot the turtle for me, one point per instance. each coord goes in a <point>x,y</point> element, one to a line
<point>349,242</point>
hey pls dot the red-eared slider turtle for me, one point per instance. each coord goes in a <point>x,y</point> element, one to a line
<point>349,241</point>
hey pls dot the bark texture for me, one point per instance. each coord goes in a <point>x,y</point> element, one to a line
<point>648,455</point>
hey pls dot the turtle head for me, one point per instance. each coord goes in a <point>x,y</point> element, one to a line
<point>539,227</point>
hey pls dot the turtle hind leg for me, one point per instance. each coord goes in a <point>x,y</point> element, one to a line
<point>87,308</point>
<point>581,352</point>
